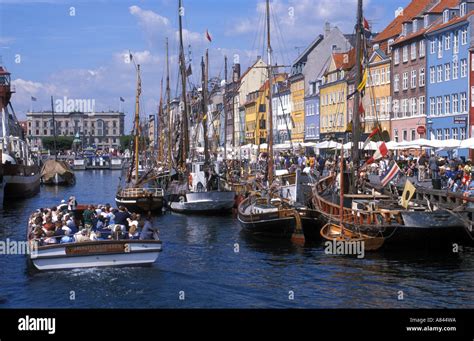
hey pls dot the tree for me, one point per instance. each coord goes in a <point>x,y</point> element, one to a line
<point>62,142</point>
<point>126,142</point>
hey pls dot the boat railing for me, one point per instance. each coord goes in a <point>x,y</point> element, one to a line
<point>142,192</point>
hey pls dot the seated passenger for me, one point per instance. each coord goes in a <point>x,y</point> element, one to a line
<point>133,233</point>
<point>82,237</point>
<point>66,238</point>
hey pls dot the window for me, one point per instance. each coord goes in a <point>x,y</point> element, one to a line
<point>439,70</point>
<point>432,74</point>
<point>377,77</point>
<point>388,75</point>
<point>404,107</point>
<point>422,48</point>
<point>439,134</point>
<point>415,25</point>
<point>439,105</point>
<point>455,69</point>
<point>377,106</point>
<point>422,77</point>
<point>413,79</point>
<point>412,133</point>
<point>382,76</point>
<point>395,134</point>
<point>426,21</point>
<point>447,41</point>
<point>413,107</point>
<point>447,71</point>
<point>405,81</point>
<point>455,103</point>
<point>463,68</point>
<point>387,104</point>
<point>446,16</point>
<point>432,46</point>
<point>463,9</point>
<point>463,102</point>
<point>405,134</point>
<point>455,133</point>
<point>405,54</point>
<point>455,42</point>
<point>440,47</point>
<point>432,106</point>
<point>396,56</point>
<point>396,107</point>
<point>464,36</point>
<point>396,83</point>
<point>447,134</point>
<point>421,105</point>
<point>462,133</point>
<point>447,104</point>
<point>413,51</point>
<point>382,105</point>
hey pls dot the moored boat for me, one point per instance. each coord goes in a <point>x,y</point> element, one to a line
<point>141,199</point>
<point>58,173</point>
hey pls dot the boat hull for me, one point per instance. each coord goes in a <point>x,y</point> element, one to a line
<point>204,203</point>
<point>143,204</point>
<point>20,187</point>
<point>96,254</point>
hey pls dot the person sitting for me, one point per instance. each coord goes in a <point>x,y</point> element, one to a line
<point>133,233</point>
<point>50,238</point>
<point>121,216</point>
<point>82,237</point>
<point>89,216</point>
<point>59,228</point>
<point>66,238</point>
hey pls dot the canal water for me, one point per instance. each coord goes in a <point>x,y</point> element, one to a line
<point>207,262</point>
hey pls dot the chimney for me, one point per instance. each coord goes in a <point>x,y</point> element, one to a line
<point>399,11</point>
<point>327,29</point>
<point>236,72</point>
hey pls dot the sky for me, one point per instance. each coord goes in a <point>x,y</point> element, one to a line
<point>77,48</point>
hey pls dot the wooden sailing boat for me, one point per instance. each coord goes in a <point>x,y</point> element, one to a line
<point>374,215</point>
<point>55,172</point>
<point>137,194</point>
<point>337,232</point>
<point>265,213</point>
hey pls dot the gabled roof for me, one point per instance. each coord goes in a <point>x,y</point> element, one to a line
<point>453,21</point>
<point>345,60</point>
<point>442,5</point>
<point>250,68</point>
<point>414,8</point>
<point>379,53</point>
<point>307,51</point>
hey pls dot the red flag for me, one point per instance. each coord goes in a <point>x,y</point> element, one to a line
<point>372,134</point>
<point>361,108</point>
<point>379,153</point>
<point>208,36</point>
<point>366,25</point>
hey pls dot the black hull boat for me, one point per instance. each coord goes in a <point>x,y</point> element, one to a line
<point>400,228</point>
<point>141,200</point>
<point>312,222</point>
<point>212,202</point>
<point>259,218</point>
<point>20,181</point>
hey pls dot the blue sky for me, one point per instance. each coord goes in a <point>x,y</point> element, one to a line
<point>81,56</point>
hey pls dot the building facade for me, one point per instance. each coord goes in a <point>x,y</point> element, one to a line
<point>102,129</point>
<point>448,88</point>
<point>282,113</point>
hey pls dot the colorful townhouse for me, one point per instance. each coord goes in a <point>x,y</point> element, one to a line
<point>282,112</point>
<point>448,64</point>
<point>334,113</point>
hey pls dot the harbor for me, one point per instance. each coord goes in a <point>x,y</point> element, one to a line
<point>289,184</point>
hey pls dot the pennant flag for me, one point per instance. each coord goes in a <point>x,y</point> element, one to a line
<point>122,99</point>
<point>366,25</point>
<point>408,193</point>
<point>372,134</point>
<point>33,99</point>
<point>361,108</point>
<point>208,36</point>
<point>381,152</point>
<point>392,172</point>
<point>363,83</point>
<point>189,71</point>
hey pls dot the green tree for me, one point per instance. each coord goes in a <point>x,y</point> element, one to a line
<point>62,142</point>
<point>126,142</point>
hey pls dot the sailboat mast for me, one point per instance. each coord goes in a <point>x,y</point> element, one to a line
<point>182,64</point>
<point>54,130</point>
<point>225,109</point>
<point>137,121</point>
<point>161,121</point>
<point>168,104</point>
<point>270,109</point>
<point>358,78</point>
<point>205,68</point>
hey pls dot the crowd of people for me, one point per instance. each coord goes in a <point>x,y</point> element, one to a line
<point>66,224</point>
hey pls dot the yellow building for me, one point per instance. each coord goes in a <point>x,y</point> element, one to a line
<point>334,118</point>
<point>256,108</point>
<point>297,112</point>
<point>377,100</point>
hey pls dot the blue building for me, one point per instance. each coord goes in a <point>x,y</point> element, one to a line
<point>311,120</point>
<point>447,66</point>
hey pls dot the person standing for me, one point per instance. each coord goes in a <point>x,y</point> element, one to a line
<point>434,168</point>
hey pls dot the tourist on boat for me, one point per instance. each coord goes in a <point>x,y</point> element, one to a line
<point>66,238</point>
<point>89,216</point>
<point>133,232</point>
<point>72,204</point>
<point>121,216</point>
<point>63,206</point>
<point>82,236</point>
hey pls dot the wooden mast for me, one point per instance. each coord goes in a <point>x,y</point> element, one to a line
<point>169,160</point>
<point>137,121</point>
<point>161,121</point>
<point>205,70</point>
<point>182,64</point>
<point>356,117</point>
<point>225,108</point>
<point>54,130</point>
<point>270,109</point>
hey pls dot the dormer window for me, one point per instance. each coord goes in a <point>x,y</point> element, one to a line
<point>404,30</point>
<point>415,25</point>
<point>463,9</point>
<point>446,16</point>
<point>426,21</point>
